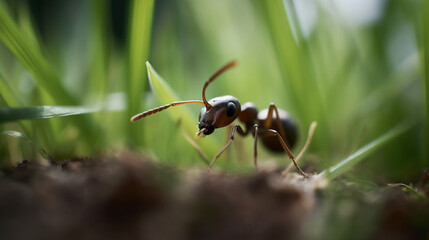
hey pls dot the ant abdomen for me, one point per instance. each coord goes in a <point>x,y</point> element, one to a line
<point>290,130</point>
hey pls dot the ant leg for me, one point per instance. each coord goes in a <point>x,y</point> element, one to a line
<point>231,138</point>
<point>307,144</point>
<point>286,148</point>
<point>269,121</point>
<point>226,140</point>
<point>193,143</point>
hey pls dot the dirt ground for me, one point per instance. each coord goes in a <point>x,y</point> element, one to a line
<point>130,197</point>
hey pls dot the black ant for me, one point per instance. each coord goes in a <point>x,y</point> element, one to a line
<point>278,132</point>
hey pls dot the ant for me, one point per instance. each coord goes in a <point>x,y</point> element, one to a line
<point>274,126</point>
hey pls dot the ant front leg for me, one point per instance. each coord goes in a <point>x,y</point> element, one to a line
<point>282,142</point>
<point>231,138</point>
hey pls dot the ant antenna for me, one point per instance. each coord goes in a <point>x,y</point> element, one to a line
<point>204,102</point>
<point>162,108</point>
<point>220,71</point>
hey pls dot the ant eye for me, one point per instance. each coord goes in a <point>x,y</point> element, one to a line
<point>230,109</point>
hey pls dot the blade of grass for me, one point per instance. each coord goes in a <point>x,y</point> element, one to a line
<point>9,96</point>
<point>99,37</point>
<point>141,13</point>
<point>289,53</point>
<point>17,134</point>
<point>27,27</point>
<point>29,54</point>
<point>166,95</point>
<point>346,164</point>
<point>301,83</point>
<point>16,152</point>
<point>7,93</point>
<point>8,114</point>
<point>22,43</point>
<point>42,112</point>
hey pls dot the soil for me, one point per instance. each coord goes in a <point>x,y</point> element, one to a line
<point>130,197</point>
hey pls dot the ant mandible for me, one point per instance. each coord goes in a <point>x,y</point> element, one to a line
<point>273,125</point>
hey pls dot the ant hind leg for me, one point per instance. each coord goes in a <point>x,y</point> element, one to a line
<point>285,147</point>
<point>306,145</point>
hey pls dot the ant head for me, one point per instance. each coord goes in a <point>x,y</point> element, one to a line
<point>223,111</point>
<point>219,111</point>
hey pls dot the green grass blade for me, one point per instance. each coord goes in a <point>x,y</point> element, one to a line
<point>166,95</point>
<point>99,48</point>
<point>346,164</point>
<point>29,54</point>
<point>8,114</point>
<point>302,84</point>
<point>17,134</point>
<point>289,53</point>
<point>27,27</point>
<point>7,94</point>
<point>15,151</point>
<point>42,112</point>
<point>141,13</point>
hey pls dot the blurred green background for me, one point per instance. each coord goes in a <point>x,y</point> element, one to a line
<point>356,67</point>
